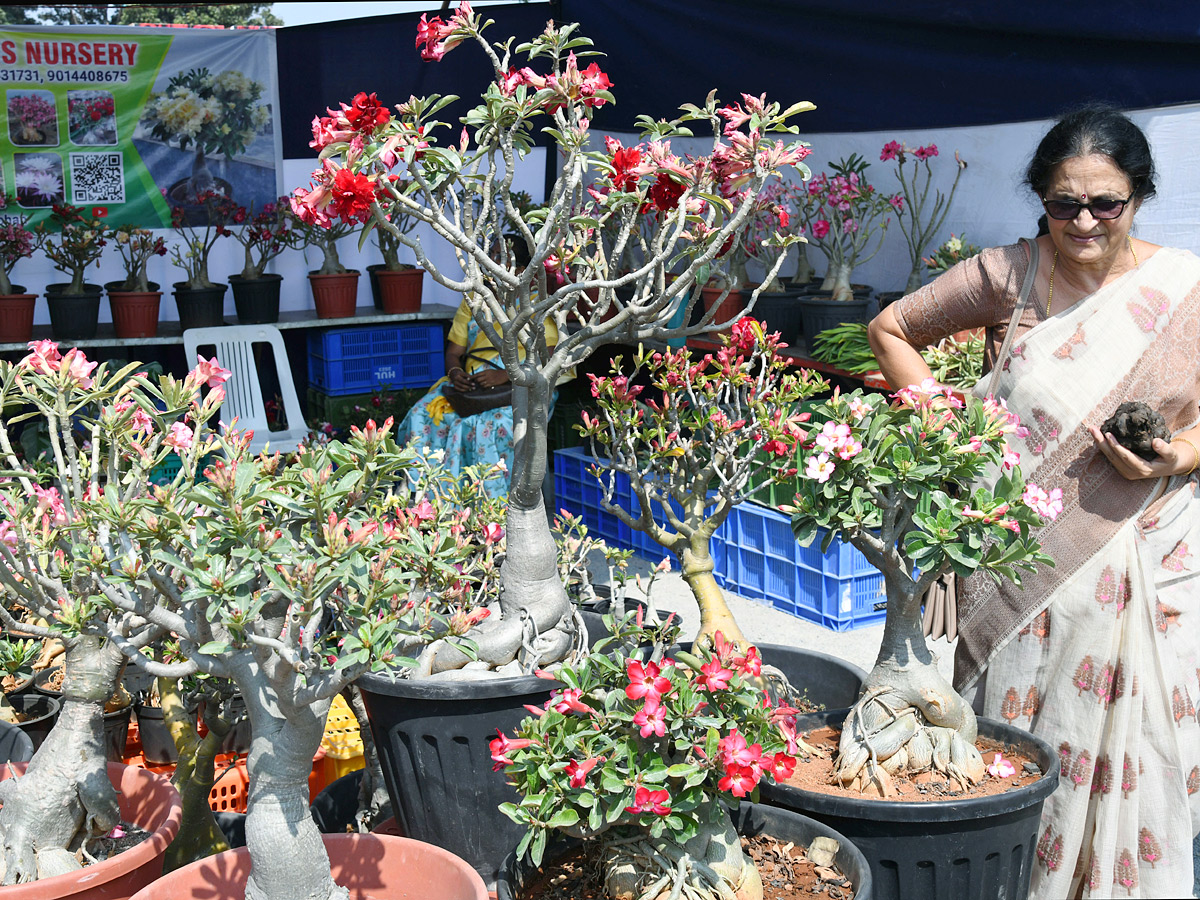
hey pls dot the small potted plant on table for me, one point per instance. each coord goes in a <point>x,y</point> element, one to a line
<point>200,301</point>
<point>263,236</point>
<point>135,300</point>
<point>16,306</point>
<point>334,287</point>
<point>79,242</point>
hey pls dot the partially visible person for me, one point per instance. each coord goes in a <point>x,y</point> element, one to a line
<point>471,361</point>
<point>1099,655</point>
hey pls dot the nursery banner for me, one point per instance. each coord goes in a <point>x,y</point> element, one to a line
<point>130,122</point>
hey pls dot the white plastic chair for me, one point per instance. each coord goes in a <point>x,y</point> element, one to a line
<point>243,393</point>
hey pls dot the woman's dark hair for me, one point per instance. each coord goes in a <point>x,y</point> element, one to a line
<point>1094,129</point>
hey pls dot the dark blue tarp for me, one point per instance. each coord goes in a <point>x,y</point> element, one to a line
<point>868,65</point>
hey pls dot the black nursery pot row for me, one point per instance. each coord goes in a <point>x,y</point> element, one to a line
<point>432,739</point>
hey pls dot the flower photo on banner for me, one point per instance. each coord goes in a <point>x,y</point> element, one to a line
<point>91,118</point>
<point>38,179</point>
<point>32,118</point>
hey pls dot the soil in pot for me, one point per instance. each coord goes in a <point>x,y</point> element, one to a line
<point>959,848</point>
<point>816,773</point>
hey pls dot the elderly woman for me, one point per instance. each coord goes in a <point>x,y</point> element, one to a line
<point>1098,655</point>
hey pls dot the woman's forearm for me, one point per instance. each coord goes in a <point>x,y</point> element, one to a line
<point>899,361</point>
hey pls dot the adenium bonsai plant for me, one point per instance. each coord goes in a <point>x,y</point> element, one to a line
<point>724,421</point>
<point>78,243</point>
<point>105,431</point>
<point>647,755</point>
<point>136,246</point>
<point>894,478</point>
<point>16,243</point>
<point>691,208</point>
<point>306,233</point>
<point>917,219</point>
<point>263,235</point>
<point>846,214</point>
<point>199,237</point>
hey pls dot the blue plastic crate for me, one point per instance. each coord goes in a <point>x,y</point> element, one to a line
<point>355,360</point>
<point>839,589</point>
<point>579,492</point>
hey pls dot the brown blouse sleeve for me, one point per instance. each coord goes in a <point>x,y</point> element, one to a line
<point>978,292</point>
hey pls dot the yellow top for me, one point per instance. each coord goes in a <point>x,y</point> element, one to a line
<point>459,331</point>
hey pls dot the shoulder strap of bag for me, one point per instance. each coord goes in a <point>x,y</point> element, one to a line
<point>490,361</point>
<point>1022,300</point>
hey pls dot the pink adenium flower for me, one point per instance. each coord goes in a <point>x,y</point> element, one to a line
<point>820,228</point>
<point>569,700</point>
<point>651,719</point>
<point>1001,767</point>
<point>493,533</point>
<point>43,358</point>
<point>180,436</point>
<point>891,150</point>
<point>819,467</point>
<point>713,676</point>
<point>1046,505</point>
<point>209,372</point>
<point>78,368</point>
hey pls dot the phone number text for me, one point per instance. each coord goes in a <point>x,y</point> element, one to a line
<point>64,76</point>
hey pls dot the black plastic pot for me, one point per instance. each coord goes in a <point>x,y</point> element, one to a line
<point>43,713</point>
<point>750,819</point>
<point>256,299</point>
<point>979,848</point>
<point>200,307</point>
<point>15,744</point>
<point>376,296</point>
<point>886,298</point>
<point>74,317</point>
<point>158,748</point>
<point>433,738</point>
<point>824,680</point>
<point>336,806</point>
<point>780,312</point>
<point>820,313</point>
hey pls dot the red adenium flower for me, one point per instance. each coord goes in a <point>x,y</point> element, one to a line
<point>645,681</point>
<point>578,771</point>
<point>646,800</point>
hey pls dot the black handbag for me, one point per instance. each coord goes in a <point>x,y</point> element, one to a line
<point>480,399</point>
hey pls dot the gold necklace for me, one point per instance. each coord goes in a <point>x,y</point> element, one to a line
<point>1054,265</point>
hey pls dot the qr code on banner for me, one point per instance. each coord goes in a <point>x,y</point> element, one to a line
<point>97,178</point>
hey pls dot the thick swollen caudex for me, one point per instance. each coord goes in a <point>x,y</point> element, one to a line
<point>711,866</point>
<point>907,719</point>
<point>65,792</point>
<point>715,615</point>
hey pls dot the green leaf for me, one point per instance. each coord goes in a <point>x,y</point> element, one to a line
<point>564,818</point>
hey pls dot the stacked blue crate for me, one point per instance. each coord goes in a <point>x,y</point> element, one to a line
<point>577,491</point>
<point>838,589</point>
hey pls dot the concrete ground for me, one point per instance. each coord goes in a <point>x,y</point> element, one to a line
<point>761,622</point>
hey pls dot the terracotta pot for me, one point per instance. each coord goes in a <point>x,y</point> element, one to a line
<point>148,800</point>
<point>729,308</point>
<point>16,316</point>
<point>371,866</point>
<point>400,291</point>
<point>335,296</point>
<point>134,313</point>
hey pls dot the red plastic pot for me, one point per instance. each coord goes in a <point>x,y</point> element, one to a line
<point>135,313</point>
<point>146,799</point>
<point>335,296</point>
<point>371,866</point>
<point>16,316</point>
<point>400,291</point>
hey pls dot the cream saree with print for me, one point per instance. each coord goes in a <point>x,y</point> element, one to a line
<point>1099,655</point>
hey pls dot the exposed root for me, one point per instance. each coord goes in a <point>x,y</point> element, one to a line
<point>892,731</point>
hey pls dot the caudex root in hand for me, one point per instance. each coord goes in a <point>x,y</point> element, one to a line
<point>885,735</point>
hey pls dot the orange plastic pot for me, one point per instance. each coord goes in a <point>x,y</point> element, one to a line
<point>135,313</point>
<point>148,800</point>
<point>370,866</point>
<point>335,296</point>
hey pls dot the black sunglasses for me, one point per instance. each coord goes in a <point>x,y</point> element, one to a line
<point>1066,210</point>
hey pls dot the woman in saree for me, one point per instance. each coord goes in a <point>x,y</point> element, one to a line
<point>1098,655</point>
